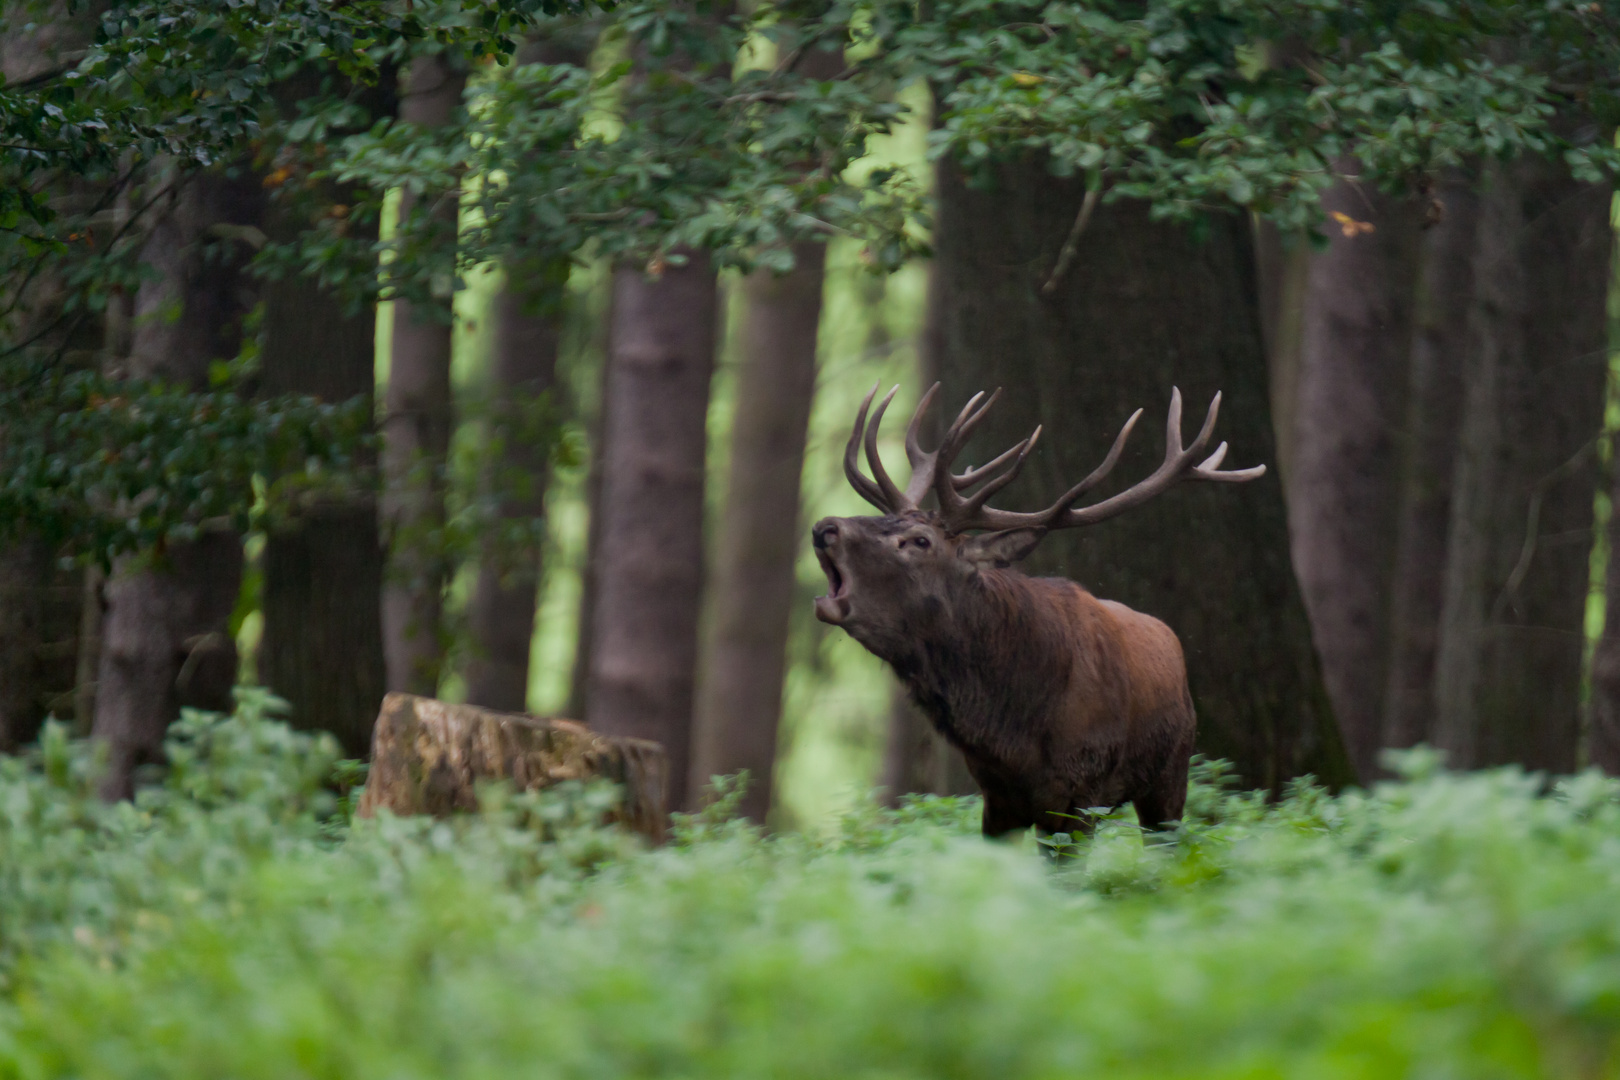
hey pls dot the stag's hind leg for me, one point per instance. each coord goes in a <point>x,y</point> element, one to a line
<point>1166,797</point>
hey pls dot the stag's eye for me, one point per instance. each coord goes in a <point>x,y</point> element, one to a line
<point>922,542</point>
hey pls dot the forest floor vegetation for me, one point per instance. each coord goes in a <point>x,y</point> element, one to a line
<point>235,921</point>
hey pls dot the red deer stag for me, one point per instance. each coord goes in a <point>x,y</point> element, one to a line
<point>1059,701</point>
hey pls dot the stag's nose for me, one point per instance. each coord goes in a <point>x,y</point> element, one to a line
<point>825,533</point>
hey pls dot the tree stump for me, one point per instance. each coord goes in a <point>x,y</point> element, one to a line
<point>427,757</point>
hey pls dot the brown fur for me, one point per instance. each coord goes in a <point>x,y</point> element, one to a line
<point>1059,701</point>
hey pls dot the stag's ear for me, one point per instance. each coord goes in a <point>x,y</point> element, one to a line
<point>1000,549</point>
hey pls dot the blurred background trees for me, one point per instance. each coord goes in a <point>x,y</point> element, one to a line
<point>503,351</point>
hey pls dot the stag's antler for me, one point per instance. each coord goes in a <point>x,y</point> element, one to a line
<point>960,513</point>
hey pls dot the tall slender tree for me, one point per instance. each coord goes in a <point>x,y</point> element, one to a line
<point>648,541</point>
<point>1445,291</point>
<point>164,637</point>
<point>501,612</point>
<point>739,704</point>
<point>322,644</point>
<point>740,696</point>
<point>1342,484</point>
<point>417,421</point>
<point>1509,660</point>
<point>650,547</point>
<point>523,404</point>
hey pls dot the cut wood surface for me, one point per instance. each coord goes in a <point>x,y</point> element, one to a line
<point>428,756</point>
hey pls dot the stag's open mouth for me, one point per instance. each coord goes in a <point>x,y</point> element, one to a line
<point>834,607</point>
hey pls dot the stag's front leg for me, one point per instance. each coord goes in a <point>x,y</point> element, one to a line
<point>1002,819</point>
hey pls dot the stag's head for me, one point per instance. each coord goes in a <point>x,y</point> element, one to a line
<point>891,576</point>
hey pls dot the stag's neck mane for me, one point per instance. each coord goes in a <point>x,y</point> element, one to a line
<point>993,664</point>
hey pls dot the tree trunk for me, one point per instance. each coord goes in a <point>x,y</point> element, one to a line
<point>650,548</point>
<point>751,599</point>
<point>1509,667</point>
<point>322,644</point>
<point>501,614</point>
<point>416,434</point>
<point>164,636</point>
<point>1342,488</point>
<point>527,336</point>
<point>1145,307</point>
<point>1429,433</point>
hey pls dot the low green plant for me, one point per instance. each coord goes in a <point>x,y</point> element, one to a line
<point>235,922</point>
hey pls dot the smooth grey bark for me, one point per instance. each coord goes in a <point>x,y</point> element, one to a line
<point>650,545</point>
<point>739,702</point>
<point>1342,486</point>
<point>418,417</point>
<point>501,614</point>
<point>1509,661</point>
<point>1144,307</point>
<point>1428,458</point>
<point>165,640</point>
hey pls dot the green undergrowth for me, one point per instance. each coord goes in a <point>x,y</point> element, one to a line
<point>234,922</point>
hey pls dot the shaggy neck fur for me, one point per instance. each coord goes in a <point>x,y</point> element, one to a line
<point>988,667</point>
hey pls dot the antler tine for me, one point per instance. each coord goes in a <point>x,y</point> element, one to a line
<point>962,430</point>
<point>968,477</point>
<point>1211,470</point>
<point>914,450</point>
<point>976,503</point>
<point>852,467</point>
<point>1100,473</point>
<point>1096,476</point>
<point>1178,465</point>
<point>1207,430</point>
<point>950,503</point>
<point>923,463</point>
<point>891,492</point>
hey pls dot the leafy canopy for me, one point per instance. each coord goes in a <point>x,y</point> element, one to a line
<point>699,126</point>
